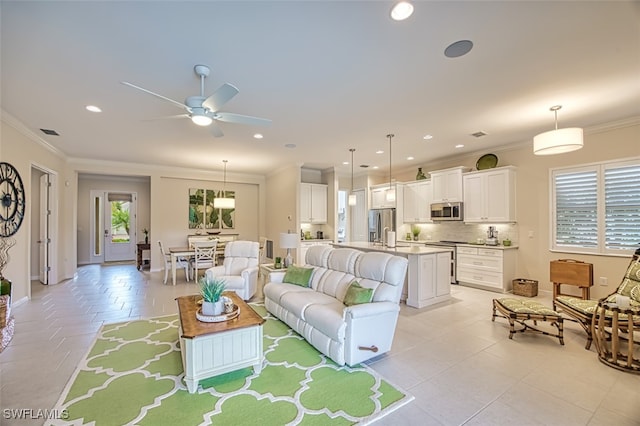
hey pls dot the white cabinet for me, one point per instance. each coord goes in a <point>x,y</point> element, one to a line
<point>379,199</point>
<point>490,196</point>
<point>313,203</point>
<point>429,279</point>
<point>447,184</point>
<point>488,268</point>
<point>417,201</point>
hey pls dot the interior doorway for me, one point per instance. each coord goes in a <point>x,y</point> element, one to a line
<point>113,226</point>
<point>44,225</point>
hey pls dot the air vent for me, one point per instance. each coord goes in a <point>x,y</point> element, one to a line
<point>364,166</point>
<point>478,134</point>
<point>50,132</point>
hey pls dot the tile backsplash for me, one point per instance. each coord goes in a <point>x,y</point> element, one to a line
<point>459,231</point>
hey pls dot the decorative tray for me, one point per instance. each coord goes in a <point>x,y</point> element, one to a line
<point>487,161</point>
<point>218,318</point>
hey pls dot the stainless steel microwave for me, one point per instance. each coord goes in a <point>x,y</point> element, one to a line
<point>446,211</point>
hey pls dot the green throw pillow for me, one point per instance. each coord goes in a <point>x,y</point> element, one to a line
<point>298,276</point>
<point>356,294</point>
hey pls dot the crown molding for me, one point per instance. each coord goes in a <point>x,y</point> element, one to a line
<point>10,120</point>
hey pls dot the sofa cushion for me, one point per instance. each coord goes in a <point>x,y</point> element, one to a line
<point>275,291</point>
<point>356,294</point>
<point>297,302</point>
<point>328,319</point>
<point>298,275</point>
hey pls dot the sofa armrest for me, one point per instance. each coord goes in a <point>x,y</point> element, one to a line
<point>250,273</point>
<point>276,277</point>
<point>216,271</point>
<point>370,309</point>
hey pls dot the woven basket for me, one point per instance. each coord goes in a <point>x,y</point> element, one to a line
<point>524,287</point>
<point>4,311</point>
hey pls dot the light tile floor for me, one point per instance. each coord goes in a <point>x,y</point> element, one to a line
<point>460,366</point>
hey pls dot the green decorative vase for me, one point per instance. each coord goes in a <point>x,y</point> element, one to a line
<point>5,286</point>
<point>420,175</point>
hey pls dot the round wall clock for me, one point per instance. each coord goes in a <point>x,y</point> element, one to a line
<point>11,200</point>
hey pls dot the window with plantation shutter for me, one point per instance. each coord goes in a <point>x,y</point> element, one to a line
<point>622,207</point>
<point>596,208</point>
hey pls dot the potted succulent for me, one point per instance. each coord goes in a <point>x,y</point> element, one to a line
<point>211,290</point>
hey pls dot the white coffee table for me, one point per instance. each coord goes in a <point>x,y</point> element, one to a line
<point>211,349</point>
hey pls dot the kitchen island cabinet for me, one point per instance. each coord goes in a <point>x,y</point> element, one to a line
<point>428,274</point>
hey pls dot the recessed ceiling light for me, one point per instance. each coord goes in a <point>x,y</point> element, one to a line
<point>427,137</point>
<point>409,158</point>
<point>93,108</point>
<point>379,151</point>
<point>401,11</point>
<point>290,145</point>
<point>376,167</point>
<point>258,136</point>
<point>346,163</point>
<point>459,48</point>
<point>460,146</point>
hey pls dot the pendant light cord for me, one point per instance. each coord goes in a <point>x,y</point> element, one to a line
<point>390,135</point>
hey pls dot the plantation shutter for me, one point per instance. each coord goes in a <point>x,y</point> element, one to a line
<point>576,209</point>
<point>622,207</point>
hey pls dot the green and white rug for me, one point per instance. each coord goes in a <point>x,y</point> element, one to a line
<point>133,376</point>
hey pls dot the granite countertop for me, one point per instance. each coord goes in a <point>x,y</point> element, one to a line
<point>399,249</point>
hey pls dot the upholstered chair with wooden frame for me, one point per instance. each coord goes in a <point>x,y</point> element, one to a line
<point>240,268</point>
<point>204,256</point>
<point>582,311</point>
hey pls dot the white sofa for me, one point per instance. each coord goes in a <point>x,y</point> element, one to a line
<point>346,334</point>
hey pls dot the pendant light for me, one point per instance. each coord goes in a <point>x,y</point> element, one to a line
<point>391,193</point>
<point>224,202</point>
<point>558,141</point>
<point>352,196</point>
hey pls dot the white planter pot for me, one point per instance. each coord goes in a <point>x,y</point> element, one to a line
<point>213,308</point>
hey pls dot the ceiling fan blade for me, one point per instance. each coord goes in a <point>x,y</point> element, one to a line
<point>168,117</point>
<point>230,117</point>
<point>220,97</point>
<point>216,131</point>
<point>176,103</point>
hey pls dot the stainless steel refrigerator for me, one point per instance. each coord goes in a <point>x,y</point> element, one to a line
<point>380,221</point>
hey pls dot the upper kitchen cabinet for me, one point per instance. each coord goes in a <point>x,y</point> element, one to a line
<point>490,195</point>
<point>313,203</point>
<point>447,184</point>
<point>379,197</point>
<point>417,200</point>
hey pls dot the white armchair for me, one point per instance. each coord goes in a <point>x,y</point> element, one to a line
<point>240,268</point>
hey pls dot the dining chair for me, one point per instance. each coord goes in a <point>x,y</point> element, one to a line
<point>204,256</point>
<point>181,262</point>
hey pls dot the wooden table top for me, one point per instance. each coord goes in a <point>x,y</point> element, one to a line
<point>191,327</point>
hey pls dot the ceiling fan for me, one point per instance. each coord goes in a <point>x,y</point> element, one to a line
<point>204,110</point>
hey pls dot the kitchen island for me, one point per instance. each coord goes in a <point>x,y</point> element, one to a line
<point>428,276</point>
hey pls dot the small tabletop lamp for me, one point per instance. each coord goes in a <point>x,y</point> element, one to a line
<point>288,241</point>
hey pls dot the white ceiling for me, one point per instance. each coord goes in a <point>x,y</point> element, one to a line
<point>330,75</point>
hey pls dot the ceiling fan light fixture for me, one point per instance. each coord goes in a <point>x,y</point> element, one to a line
<point>401,10</point>
<point>200,118</point>
<point>558,141</point>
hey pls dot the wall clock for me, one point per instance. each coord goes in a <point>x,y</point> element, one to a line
<point>11,200</point>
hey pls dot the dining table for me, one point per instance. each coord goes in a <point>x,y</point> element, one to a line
<point>177,252</point>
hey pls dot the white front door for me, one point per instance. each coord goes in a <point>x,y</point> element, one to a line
<point>119,226</point>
